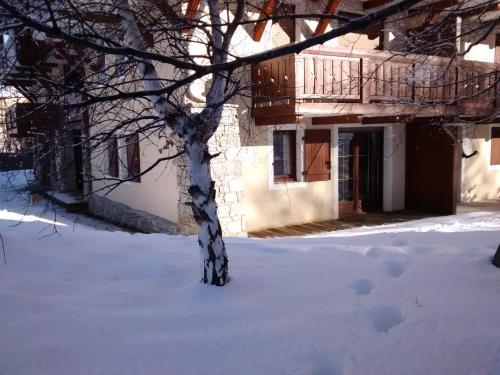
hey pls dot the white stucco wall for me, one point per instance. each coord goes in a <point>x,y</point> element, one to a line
<point>478,47</point>
<point>480,179</point>
<point>394,167</point>
<point>157,193</point>
<point>483,51</point>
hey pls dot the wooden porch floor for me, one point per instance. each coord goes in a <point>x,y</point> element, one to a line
<point>354,221</point>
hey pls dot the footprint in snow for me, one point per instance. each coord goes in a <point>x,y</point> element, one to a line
<point>385,318</point>
<point>326,364</point>
<point>394,268</point>
<point>398,242</point>
<point>374,252</point>
<point>362,287</point>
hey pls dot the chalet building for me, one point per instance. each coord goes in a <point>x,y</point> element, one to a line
<point>358,124</point>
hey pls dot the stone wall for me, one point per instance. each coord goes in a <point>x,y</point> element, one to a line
<point>124,215</point>
<point>227,174</point>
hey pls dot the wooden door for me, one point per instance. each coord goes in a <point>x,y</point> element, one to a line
<point>431,167</point>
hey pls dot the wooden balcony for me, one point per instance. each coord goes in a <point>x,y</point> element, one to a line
<point>339,82</point>
<point>23,60</point>
<point>29,119</point>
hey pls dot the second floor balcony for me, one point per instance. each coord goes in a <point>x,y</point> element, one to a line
<point>30,119</point>
<point>320,82</point>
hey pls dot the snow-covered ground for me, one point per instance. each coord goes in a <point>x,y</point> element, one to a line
<point>413,298</point>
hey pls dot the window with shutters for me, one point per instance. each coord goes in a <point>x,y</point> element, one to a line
<point>113,157</point>
<point>133,158</point>
<point>495,145</point>
<point>317,163</point>
<point>284,155</point>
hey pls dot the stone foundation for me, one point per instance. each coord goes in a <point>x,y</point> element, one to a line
<point>124,215</point>
<point>227,174</point>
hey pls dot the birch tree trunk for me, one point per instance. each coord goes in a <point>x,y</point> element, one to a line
<point>214,265</point>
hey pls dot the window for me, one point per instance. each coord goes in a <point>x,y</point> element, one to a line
<point>113,157</point>
<point>495,145</point>
<point>317,162</point>
<point>284,155</point>
<point>133,158</point>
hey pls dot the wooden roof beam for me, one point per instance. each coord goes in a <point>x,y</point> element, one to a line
<point>165,8</point>
<point>97,17</point>
<point>432,13</point>
<point>330,9</point>
<point>370,4</point>
<point>266,11</point>
<point>478,9</point>
<point>192,8</point>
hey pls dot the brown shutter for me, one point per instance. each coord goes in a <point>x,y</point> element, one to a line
<point>317,162</point>
<point>495,145</point>
<point>133,158</point>
<point>113,157</point>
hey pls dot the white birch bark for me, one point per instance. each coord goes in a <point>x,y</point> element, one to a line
<point>146,68</point>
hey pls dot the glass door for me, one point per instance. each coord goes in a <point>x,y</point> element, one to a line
<point>360,170</point>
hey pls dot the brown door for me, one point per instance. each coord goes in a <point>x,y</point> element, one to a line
<point>431,166</point>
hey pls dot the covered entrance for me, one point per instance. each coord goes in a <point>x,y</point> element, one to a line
<point>360,176</point>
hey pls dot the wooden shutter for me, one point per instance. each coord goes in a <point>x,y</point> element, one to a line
<point>133,158</point>
<point>113,157</point>
<point>495,145</point>
<point>317,162</point>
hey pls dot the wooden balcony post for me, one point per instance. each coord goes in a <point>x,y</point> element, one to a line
<point>291,80</point>
<point>496,89</point>
<point>365,79</point>
<point>299,76</point>
<point>355,180</point>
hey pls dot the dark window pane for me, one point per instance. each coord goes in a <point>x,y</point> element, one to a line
<point>284,155</point>
<point>113,157</point>
<point>133,158</point>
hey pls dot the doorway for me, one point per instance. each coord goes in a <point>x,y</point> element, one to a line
<point>431,167</point>
<point>78,159</point>
<point>360,175</point>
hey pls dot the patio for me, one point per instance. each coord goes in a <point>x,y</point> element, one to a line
<point>348,222</point>
<point>367,219</point>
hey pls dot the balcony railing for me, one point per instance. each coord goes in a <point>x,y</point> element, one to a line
<point>308,81</point>
<point>29,119</point>
<point>22,59</point>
